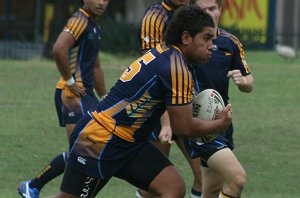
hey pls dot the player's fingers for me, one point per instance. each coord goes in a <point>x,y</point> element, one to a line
<point>228,107</point>
<point>229,73</point>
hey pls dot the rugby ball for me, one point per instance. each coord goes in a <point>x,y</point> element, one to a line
<point>206,106</point>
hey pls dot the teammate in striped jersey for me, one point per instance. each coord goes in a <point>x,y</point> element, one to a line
<point>155,22</point>
<point>112,140</point>
<point>76,55</point>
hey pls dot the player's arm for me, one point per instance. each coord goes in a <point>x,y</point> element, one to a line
<point>183,124</point>
<point>240,73</point>
<point>244,83</point>
<point>64,42</point>
<point>98,76</point>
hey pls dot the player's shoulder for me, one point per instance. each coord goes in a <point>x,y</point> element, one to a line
<point>156,9</point>
<point>80,15</point>
<point>77,23</point>
<point>168,55</point>
<point>223,34</point>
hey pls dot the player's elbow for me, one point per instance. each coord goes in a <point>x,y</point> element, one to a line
<point>55,50</point>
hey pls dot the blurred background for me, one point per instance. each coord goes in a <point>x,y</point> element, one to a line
<point>28,28</point>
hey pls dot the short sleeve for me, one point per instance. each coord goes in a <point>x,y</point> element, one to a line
<point>76,26</point>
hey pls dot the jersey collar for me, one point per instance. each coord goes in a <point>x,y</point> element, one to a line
<point>168,5</point>
<point>84,12</point>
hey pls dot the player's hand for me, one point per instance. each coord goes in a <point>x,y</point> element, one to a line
<point>225,116</point>
<point>237,78</point>
<point>78,91</point>
<point>165,135</point>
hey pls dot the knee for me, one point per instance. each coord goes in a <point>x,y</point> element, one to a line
<point>178,190</point>
<point>239,182</point>
<point>181,191</point>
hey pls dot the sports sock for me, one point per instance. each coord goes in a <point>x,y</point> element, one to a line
<point>52,170</point>
<point>223,195</point>
<point>195,194</point>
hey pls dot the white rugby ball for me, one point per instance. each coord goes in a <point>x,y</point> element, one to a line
<point>206,106</point>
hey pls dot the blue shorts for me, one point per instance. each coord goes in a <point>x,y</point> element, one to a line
<point>98,153</point>
<point>72,115</point>
<point>206,150</point>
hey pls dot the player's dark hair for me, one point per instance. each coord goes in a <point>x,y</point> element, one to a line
<point>82,2</point>
<point>187,18</point>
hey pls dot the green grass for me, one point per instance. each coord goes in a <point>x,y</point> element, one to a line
<point>266,126</point>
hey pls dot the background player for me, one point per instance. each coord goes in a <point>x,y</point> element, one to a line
<point>76,55</point>
<point>219,164</point>
<point>153,26</point>
<point>112,140</point>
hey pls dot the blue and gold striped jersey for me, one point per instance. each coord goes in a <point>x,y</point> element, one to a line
<point>134,105</point>
<point>228,54</point>
<point>83,54</point>
<point>154,23</point>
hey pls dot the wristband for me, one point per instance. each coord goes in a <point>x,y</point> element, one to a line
<point>71,81</point>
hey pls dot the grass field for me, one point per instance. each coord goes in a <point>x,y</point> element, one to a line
<point>267,126</point>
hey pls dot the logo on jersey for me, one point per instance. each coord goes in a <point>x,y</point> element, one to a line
<point>81,160</point>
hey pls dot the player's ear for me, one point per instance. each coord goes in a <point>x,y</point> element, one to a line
<point>186,38</point>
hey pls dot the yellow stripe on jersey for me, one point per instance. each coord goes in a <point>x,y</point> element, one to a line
<point>152,28</point>
<point>73,58</point>
<point>182,84</point>
<point>75,26</point>
<point>166,6</point>
<point>242,54</point>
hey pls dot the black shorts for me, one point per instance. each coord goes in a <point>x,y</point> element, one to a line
<point>206,150</point>
<point>135,163</point>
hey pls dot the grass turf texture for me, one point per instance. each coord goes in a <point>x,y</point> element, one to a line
<point>266,126</point>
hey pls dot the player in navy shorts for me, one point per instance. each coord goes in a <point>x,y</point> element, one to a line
<point>76,53</point>
<point>222,173</point>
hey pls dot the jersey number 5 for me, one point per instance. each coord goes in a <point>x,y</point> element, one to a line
<point>135,67</point>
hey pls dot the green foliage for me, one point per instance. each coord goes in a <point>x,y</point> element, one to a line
<point>119,37</point>
<point>266,126</point>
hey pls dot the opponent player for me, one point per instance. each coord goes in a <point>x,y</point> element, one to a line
<point>154,23</point>
<point>76,56</point>
<point>219,164</point>
<point>112,140</point>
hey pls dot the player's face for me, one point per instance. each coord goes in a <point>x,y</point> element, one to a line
<point>212,8</point>
<point>95,8</point>
<point>180,2</point>
<point>199,49</point>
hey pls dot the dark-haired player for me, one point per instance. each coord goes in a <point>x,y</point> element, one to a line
<point>76,56</point>
<point>154,23</point>
<point>112,140</point>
